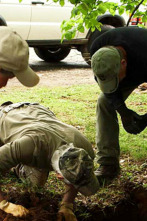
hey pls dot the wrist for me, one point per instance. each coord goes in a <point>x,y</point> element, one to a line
<point>3,204</point>
<point>67,205</point>
<point>70,194</point>
<point>1,196</point>
<point>115,99</point>
<point>122,109</point>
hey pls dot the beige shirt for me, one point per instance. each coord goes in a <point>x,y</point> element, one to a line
<point>30,134</point>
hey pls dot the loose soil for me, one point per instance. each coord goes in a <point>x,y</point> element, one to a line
<point>129,204</point>
<point>44,207</point>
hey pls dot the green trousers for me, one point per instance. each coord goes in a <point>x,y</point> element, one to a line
<point>107,130</point>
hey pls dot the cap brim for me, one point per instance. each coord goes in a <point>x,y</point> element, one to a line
<point>110,86</point>
<point>90,188</point>
<point>27,77</point>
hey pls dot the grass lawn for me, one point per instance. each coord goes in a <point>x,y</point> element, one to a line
<point>76,105</point>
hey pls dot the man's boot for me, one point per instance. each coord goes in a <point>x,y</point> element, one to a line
<point>106,173</point>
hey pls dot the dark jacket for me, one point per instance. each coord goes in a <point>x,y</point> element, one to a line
<point>134,41</point>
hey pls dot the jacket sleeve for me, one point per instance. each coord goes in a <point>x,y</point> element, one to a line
<point>19,151</point>
<point>115,99</point>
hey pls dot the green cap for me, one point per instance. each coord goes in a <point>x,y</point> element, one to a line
<point>106,65</point>
<point>77,168</point>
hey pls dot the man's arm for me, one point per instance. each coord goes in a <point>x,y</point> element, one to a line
<point>115,99</point>
<point>19,151</point>
<point>70,194</point>
<point>66,206</point>
<point>132,122</point>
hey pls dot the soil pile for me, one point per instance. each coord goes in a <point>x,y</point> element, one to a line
<point>44,208</point>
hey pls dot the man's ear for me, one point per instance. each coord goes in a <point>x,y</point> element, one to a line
<point>59,176</point>
<point>124,63</point>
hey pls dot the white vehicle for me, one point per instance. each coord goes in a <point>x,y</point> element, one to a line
<point>38,22</point>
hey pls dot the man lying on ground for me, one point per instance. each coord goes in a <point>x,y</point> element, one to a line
<point>35,142</point>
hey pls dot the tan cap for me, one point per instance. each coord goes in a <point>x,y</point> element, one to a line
<point>14,56</point>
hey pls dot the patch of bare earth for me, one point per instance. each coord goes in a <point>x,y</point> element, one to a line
<point>73,70</point>
<point>124,199</point>
<point>44,208</point>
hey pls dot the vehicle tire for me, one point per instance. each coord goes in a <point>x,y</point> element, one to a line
<point>2,21</point>
<point>52,54</point>
<point>86,49</point>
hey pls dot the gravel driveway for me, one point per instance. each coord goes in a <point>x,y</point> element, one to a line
<point>72,70</point>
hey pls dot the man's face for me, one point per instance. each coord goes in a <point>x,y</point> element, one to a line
<point>4,77</point>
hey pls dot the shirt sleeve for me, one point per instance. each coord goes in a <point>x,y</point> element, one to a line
<point>100,41</point>
<point>19,151</point>
<point>115,99</point>
<point>95,46</point>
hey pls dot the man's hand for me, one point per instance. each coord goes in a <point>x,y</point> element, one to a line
<point>132,122</point>
<point>15,210</point>
<point>66,212</point>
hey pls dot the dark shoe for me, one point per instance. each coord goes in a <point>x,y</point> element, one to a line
<point>106,173</point>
